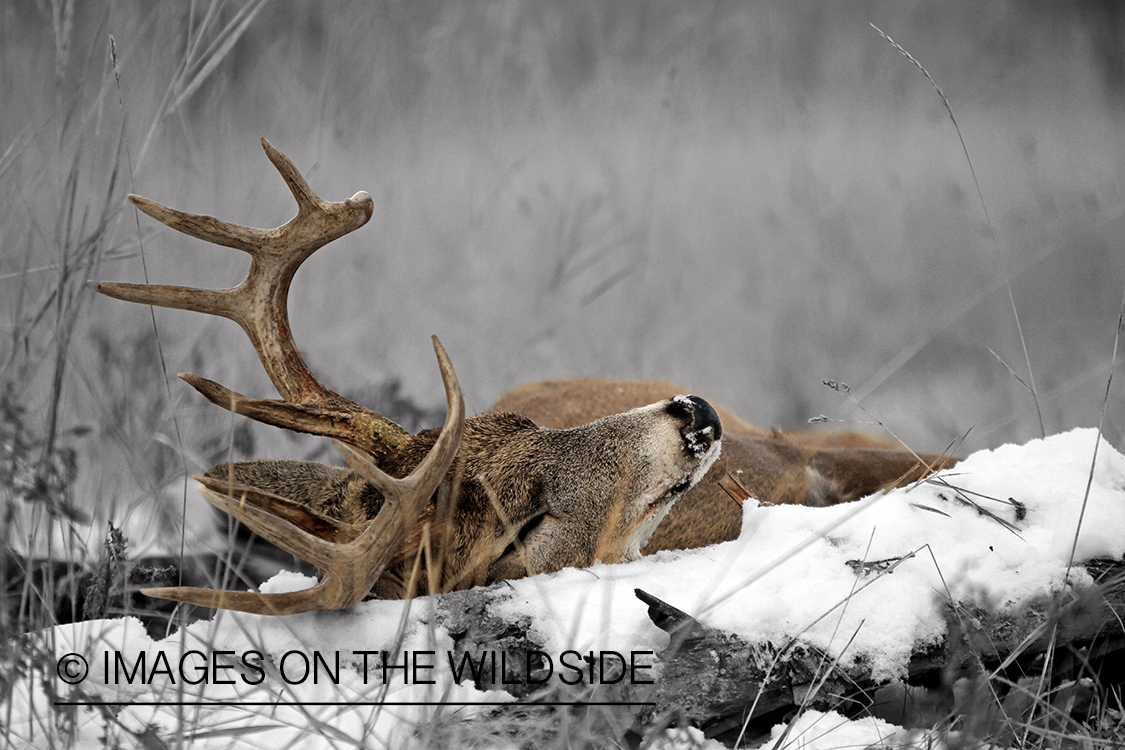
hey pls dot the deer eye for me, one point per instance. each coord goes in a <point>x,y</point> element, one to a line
<point>529,526</point>
<point>682,486</point>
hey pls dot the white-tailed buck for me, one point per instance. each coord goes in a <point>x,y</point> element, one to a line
<point>558,474</point>
<point>482,499</point>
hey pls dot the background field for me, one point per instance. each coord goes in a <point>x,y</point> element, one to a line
<point>746,198</point>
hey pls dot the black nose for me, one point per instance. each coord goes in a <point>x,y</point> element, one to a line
<point>704,416</point>
<point>702,427</point>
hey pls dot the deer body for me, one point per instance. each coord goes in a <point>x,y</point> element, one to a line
<point>528,499</point>
<point>483,499</point>
<point>816,468</point>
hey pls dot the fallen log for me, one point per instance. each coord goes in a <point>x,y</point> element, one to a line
<point>719,682</point>
<point>729,687</point>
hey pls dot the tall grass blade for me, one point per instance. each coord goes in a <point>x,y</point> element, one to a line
<point>988,220</point>
<point>1101,424</point>
<point>152,314</point>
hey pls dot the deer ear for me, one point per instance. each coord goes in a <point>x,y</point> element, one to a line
<point>294,512</point>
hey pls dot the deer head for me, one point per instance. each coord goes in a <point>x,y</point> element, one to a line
<point>806,467</point>
<point>482,499</point>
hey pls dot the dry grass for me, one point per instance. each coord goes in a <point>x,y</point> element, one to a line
<point>747,199</point>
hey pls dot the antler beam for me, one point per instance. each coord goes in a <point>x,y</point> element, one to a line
<point>259,306</point>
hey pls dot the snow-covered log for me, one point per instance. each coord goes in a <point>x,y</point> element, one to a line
<point>809,607</point>
<point>718,681</point>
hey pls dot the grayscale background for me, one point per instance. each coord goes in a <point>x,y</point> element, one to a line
<point>747,198</point>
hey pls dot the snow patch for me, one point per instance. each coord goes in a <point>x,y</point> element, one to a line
<point>996,530</point>
<point>286,581</point>
<point>818,730</point>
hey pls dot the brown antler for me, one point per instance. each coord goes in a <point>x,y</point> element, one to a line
<point>351,560</point>
<point>259,305</point>
<point>349,568</point>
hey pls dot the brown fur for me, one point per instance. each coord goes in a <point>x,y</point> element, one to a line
<point>804,468</point>
<point>519,499</point>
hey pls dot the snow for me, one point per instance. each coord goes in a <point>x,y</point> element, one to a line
<point>788,569</point>
<point>817,730</point>
<point>996,530</point>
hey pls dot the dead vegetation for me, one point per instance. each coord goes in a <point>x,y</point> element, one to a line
<point>87,433</point>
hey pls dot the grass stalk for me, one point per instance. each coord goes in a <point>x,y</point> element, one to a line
<point>988,220</point>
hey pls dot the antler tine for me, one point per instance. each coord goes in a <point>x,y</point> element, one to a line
<point>429,473</point>
<point>307,199</point>
<point>404,499</point>
<point>259,305</point>
<point>349,569</point>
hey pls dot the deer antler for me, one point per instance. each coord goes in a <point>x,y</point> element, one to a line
<point>349,568</point>
<point>350,562</point>
<point>259,305</point>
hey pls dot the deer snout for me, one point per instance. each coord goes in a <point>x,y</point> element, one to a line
<point>702,428</point>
